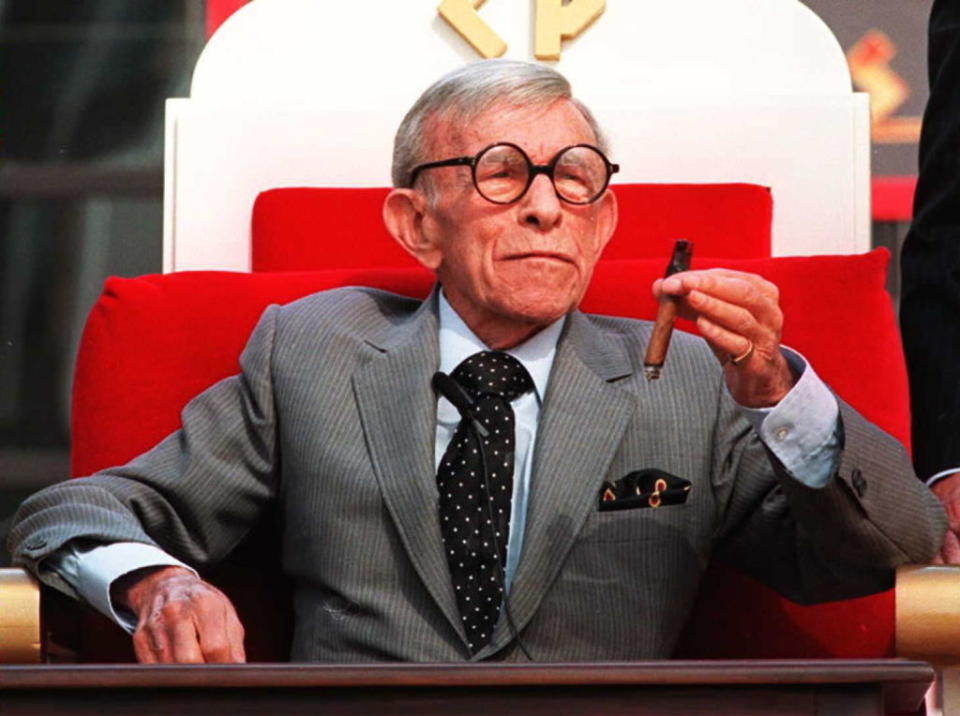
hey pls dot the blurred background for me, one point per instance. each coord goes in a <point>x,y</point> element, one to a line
<point>82,89</point>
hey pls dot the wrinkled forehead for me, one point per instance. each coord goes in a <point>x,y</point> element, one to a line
<point>538,128</point>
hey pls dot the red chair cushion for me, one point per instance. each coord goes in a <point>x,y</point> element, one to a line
<point>153,342</point>
<point>322,228</point>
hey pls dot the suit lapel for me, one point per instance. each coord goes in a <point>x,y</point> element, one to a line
<point>398,411</point>
<point>583,421</point>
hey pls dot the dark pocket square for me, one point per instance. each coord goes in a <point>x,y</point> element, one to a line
<point>644,488</point>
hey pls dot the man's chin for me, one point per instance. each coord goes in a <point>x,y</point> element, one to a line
<point>538,313</point>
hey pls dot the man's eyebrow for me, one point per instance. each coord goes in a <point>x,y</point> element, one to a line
<point>573,160</point>
<point>512,158</point>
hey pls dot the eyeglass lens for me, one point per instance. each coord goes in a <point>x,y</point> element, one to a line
<point>503,173</point>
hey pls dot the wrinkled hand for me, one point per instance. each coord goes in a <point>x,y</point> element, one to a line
<point>738,314</point>
<point>947,489</point>
<point>181,618</point>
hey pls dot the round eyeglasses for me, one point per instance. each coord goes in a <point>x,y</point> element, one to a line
<point>503,172</point>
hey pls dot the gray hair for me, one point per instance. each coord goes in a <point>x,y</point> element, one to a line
<point>467,92</point>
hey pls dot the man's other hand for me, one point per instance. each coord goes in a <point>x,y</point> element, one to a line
<point>180,618</point>
<point>947,489</point>
<point>739,316</point>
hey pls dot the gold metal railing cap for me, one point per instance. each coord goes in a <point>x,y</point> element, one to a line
<point>928,612</point>
<point>19,617</point>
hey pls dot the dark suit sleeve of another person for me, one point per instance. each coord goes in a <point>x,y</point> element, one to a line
<point>930,304</point>
<point>195,494</point>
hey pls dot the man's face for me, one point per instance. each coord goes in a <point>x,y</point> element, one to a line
<point>526,263</point>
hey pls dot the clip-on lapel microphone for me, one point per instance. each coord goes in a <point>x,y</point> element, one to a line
<point>461,400</point>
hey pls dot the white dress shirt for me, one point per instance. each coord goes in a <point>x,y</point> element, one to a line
<point>801,431</point>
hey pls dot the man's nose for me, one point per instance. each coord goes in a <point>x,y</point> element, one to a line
<point>540,206</point>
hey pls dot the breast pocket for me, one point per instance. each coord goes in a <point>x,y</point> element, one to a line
<point>661,523</point>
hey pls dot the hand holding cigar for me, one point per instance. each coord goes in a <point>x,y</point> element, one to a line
<point>666,314</point>
<point>738,315</point>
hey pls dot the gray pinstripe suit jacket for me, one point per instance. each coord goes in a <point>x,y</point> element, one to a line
<point>333,416</point>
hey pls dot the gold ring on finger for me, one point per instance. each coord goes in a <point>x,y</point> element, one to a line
<point>737,360</point>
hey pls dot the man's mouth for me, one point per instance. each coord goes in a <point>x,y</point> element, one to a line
<point>546,255</point>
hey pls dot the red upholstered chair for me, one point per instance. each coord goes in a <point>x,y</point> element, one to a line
<point>297,229</point>
<point>140,361</point>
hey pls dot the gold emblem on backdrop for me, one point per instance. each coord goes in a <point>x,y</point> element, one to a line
<point>870,70</point>
<point>556,21</point>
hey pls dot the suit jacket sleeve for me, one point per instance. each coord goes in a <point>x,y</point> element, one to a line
<point>834,542</point>
<point>195,494</point>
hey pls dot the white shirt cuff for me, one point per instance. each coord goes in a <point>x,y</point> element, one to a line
<point>802,429</point>
<point>92,571</point>
<point>940,475</point>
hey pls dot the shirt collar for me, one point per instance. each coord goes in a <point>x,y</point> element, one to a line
<point>458,342</point>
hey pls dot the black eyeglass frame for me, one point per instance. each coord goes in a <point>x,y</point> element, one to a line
<point>532,170</point>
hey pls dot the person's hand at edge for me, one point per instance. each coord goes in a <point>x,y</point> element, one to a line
<point>180,618</point>
<point>947,489</point>
<point>739,316</point>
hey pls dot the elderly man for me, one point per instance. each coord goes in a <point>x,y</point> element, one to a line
<point>553,505</point>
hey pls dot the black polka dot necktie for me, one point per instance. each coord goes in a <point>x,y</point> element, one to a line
<point>474,523</point>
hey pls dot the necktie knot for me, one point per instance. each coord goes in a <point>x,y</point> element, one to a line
<point>493,373</point>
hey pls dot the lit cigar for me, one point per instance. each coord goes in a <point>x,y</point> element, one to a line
<point>666,314</point>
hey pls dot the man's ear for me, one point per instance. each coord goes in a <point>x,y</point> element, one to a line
<point>403,214</point>
<point>608,214</point>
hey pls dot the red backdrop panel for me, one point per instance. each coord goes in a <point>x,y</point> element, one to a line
<point>893,198</point>
<point>220,10</point>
